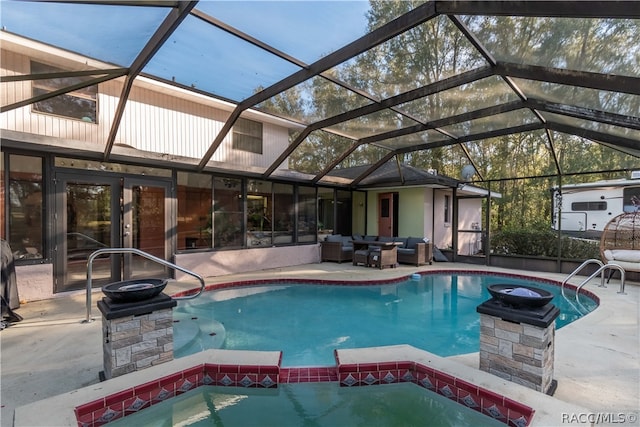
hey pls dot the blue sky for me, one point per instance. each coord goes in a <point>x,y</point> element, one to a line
<point>197,54</point>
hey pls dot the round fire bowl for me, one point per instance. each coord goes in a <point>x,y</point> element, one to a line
<point>134,290</point>
<point>520,296</point>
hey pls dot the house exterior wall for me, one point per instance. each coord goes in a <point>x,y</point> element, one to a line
<point>421,214</point>
<point>442,230</point>
<point>428,217</point>
<point>154,119</point>
<point>358,224</point>
<point>157,121</point>
<point>414,208</point>
<point>415,211</point>
<point>22,120</point>
<point>34,281</point>
<point>210,264</point>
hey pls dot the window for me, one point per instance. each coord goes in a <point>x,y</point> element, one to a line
<point>343,213</point>
<point>284,213</point>
<point>228,215</point>
<point>589,206</point>
<point>25,207</point>
<point>247,136</point>
<point>631,199</point>
<point>306,214</point>
<point>446,209</point>
<point>79,104</point>
<point>384,208</point>
<point>194,211</point>
<point>325,211</point>
<point>259,213</point>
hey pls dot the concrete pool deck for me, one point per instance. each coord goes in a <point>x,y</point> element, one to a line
<point>597,362</point>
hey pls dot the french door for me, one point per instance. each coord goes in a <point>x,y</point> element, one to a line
<point>146,216</point>
<point>95,212</point>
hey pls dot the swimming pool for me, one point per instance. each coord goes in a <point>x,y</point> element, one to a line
<point>307,321</point>
<point>317,404</point>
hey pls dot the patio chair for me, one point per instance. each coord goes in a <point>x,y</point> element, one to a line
<point>620,242</point>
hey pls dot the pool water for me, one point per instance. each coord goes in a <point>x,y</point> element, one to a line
<point>309,404</point>
<point>436,313</point>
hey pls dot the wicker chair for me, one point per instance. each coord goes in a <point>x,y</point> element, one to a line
<point>336,248</point>
<point>620,241</point>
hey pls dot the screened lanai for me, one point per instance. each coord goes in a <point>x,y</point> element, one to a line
<point>553,86</point>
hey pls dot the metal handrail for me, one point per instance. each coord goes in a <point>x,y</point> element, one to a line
<point>599,271</point>
<point>142,254</point>
<point>579,269</point>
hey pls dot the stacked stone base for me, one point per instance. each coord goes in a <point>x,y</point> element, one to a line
<point>518,352</point>
<point>136,336</point>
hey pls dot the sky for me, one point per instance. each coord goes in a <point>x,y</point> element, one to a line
<point>196,54</point>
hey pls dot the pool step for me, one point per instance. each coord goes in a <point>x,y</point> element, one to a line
<point>191,335</point>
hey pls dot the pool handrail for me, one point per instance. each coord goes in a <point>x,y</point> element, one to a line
<point>135,251</point>
<point>602,267</point>
<point>579,269</point>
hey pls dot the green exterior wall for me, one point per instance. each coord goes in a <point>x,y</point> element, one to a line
<point>358,223</point>
<point>411,221</point>
<point>411,212</point>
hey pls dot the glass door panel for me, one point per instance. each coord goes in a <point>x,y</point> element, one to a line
<point>89,222</point>
<point>146,221</point>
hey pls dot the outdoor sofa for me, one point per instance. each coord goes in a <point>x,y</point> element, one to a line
<point>412,250</point>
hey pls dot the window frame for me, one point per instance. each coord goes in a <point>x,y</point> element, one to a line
<point>446,215</point>
<point>40,86</point>
<point>592,205</point>
<point>40,230</point>
<point>247,136</point>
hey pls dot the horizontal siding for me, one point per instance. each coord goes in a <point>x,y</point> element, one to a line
<point>153,121</point>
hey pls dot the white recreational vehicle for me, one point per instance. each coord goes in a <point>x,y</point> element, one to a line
<point>587,208</point>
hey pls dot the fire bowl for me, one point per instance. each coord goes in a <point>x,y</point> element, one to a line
<point>134,290</point>
<point>520,296</point>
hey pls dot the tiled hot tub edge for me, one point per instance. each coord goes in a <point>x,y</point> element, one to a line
<point>485,401</point>
<point>117,405</point>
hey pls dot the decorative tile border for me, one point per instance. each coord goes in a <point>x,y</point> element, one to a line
<point>308,375</point>
<point>479,399</point>
<point>125,402</point>
<point>114,406</point>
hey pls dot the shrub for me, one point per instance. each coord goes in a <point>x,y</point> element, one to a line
<point>542,243</point>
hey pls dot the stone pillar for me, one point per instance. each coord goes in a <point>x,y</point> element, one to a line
<point>517,352</point>
<point>136,335</point>
<point>518,344</point>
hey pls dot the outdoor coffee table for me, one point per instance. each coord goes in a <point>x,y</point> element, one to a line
<point>384,255</point>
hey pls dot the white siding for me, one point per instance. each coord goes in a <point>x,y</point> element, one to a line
<point>153,121</point>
